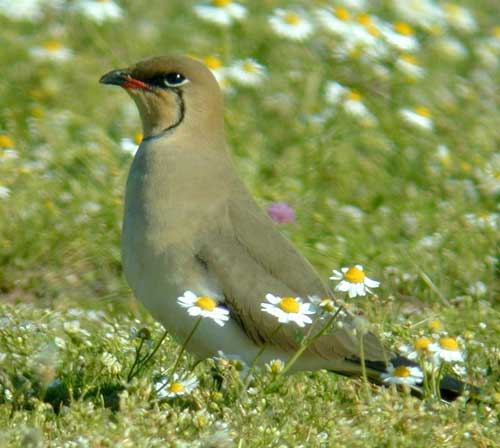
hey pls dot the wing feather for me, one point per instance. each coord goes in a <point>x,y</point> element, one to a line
<point>251,258</point>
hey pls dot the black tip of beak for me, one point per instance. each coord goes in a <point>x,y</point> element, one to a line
<point>115,77</point>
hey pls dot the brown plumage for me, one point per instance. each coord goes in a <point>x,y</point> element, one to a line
<point>191,224</point>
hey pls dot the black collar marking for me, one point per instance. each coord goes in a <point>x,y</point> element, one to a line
<point>182,113</point>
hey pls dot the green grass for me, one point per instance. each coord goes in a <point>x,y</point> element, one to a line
<point>60,229</point>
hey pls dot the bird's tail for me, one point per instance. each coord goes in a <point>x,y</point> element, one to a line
<point>450,387</point>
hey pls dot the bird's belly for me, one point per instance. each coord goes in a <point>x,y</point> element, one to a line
<point>159,270</point>
<point>159,278</point>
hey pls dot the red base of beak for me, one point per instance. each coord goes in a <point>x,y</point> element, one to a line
<point>131,83</point>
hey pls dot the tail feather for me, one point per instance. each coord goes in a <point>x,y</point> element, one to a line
<point>450,387</point>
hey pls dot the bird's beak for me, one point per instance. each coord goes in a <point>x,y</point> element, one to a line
<point>123,78</point>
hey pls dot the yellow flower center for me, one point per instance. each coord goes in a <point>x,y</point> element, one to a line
<point>401,371</point>
<point>138,138</point>
<point>354,275</point>
<point>466,167</point>
<point>354,95</point>
<point>206,303</point>
<point>176,388</point>
<point>449,344</point>
<point>221,3</point>
<point>327,304</point>
<point>496,32</point>
<point>276,367</point>
<point>249,67</point>
<point>364,19</point>
<point>6,141</point>
<point>52,45</point>
<point>409,58</point>
<point>291,18</point>
<point>422,344</point>
<point>373,30</point>
<point>289,305</point>
<point>435,325</point>
<point>37,111</point>
<point>342,14</point>
<point>403,28</point>
<point>452,9</point>
<point>423,111</point>
<point>212,62</point>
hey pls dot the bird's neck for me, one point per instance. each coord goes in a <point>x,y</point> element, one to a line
<point>170,184</point>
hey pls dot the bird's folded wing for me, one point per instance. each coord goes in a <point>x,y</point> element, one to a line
<point>250,258</point>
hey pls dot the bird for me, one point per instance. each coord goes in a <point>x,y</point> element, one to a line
<point>191,224</point>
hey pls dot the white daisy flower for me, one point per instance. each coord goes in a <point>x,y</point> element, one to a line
<point>334,92</point>
<point>52,50</point>
<point>460,17</point>
<point>447,349</point>
<point>247,72</point>
<point>176,387</point>
<point>402,375</point>
<point>99,10</point>
<point>275,366</point>
<point>407,64</point>
<point>325,304</point>
<point>288,309</point>
<point>221,12</point>
<point>489,176</point>
<point>337,21</point>
<point>22,9</point>
<point>400,35</point>
<point>483,220</point>
<point>8,154</point>
<point>443,154</point>
<point>353,212</point>
<point>293,25</point>
<point>216,67</point>
<point>131,145</point>
<point>203,306</point>
<point>354,281</point>
<point>451,47</point>
<point>426,14</point>
<point>487,53</point>
<point>420,350</point>
<point>477,289</point>
<point>431,241</point>
<point>354,106</point>
<point>4,192</point>
<point>419,117</point>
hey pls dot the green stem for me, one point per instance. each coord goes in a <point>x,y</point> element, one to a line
<point>142,362</point>
<point>427,390</point>
<point>183,349</point>
<point>438,380</point>
<point>136,361</point>
<point>258,355</point>
<point>307,343</point>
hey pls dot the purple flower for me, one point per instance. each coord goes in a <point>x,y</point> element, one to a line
<point>281,212</point>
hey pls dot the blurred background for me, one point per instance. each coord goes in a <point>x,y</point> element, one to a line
<point>376,122</point>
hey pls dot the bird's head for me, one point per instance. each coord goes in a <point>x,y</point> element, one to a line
<point>174,94</point>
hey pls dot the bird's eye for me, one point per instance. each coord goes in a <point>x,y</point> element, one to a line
<point>174,79</point>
